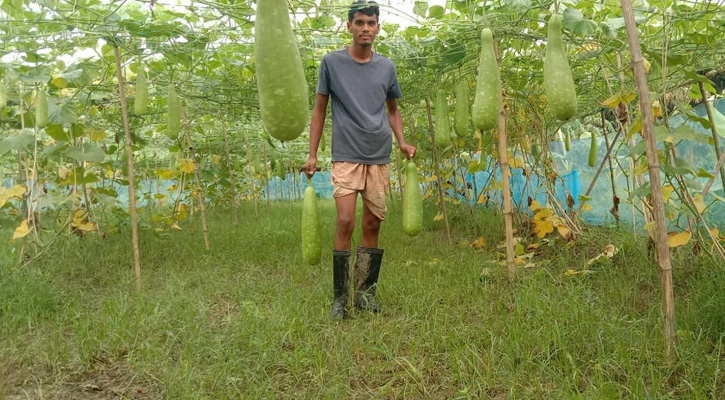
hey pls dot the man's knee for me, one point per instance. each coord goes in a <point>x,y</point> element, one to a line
<point>345,224</point>
<point>371,224</point>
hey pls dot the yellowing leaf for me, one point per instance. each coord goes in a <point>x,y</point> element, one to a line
<point>431,178</point>
<point>21,231</point>
<point>186,165</point>
<point>543,213</point>
<point>699,203</point>
<point>535,205</point>
<point>667,192</point>
<point>587,207</point>
<point>479,243</point>
<point>482,198</point>
<point>96,135</point>
<point>175,226</point>
<point>678,239</point>
<point>649,226</point>
<point>165,173</point>
<point>438,217</point>
<point>7,194</point>
<point>543,227</point>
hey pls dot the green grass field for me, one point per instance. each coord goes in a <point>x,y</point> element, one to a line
<point>250,320</point>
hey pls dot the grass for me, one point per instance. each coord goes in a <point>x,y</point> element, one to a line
<point>250,320</point>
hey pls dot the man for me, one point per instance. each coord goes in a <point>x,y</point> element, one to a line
<point>361,83</point>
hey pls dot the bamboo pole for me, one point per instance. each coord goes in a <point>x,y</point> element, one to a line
<point>438,170</point>
<point>715,138</point>
<point>231,171</point>
<point>197,177</point>
<point>131,176</point>
<point>506,175</point>
<point>663,251</point>
<point>615,200</point>
<point>266,175</point>
<point>250,168</point>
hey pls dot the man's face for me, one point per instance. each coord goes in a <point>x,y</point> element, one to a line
<point>363,28</point>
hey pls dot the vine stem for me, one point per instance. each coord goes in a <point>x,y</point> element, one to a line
<point>197,177</point>
<point>438,170</point>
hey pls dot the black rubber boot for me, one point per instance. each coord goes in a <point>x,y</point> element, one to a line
<point>340,282</point>
<point>367,270</point>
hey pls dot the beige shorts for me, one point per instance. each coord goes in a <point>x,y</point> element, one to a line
<point>371,181</point>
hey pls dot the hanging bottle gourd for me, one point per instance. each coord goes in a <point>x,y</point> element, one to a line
<point>41,109</point>
<point>281,83</point>
<point>461,117</point>
<point>311,242</point>
<point>558,81</point>
<point>593,151</point>
<point>141,101</point>
<point>412,201</point>
<point>485,104</point>
<point>173,124</point>
<point>442,122</point>
<point>3,96</point>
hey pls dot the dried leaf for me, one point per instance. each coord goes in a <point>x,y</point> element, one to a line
<point>678,239</point>
<point>565,232</point>
<point>7,194</point>
<point>438,217</point>
<point>479,243</point>
<point>21,231</point>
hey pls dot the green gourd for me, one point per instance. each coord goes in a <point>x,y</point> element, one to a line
<point>41,109</point>
<point>442,121</point>
<point>311,242</point>
<point>535,152</point>
<point>322,142</point>
<point>281,84</point>
<point>140,103</point>
<point>593,151</point>
<point>412,201</point>
<point>558,81</point>
<point>461,117</point>
<point>173,114</point>
<point>567,139</point>
<point>3,95</point>
<point>488,88</point>
<point>280,170</point>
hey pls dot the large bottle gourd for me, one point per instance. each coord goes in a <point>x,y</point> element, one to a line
<point>281,84</point>
<point>461,117</point>
<point>173,124</point>
<point>558,81</point>
<point>412,201</point>
<point>442,121</point>
<point>488,88</point>
<point>311,242</point>
<point>593,151</point>
<point>41,109</point>
<point>140,103</point>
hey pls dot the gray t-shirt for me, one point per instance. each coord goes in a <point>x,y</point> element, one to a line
<point>360,129</point>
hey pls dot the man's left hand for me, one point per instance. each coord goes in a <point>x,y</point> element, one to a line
<point>408,150</point>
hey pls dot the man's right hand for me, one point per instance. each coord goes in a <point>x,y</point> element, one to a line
<point>310,167</point>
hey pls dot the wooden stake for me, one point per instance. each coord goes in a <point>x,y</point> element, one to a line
<point>131,176</point>
<point>197,177</point>
<point>230,167</point>
<point>438,170</point>
<point>506,175</point>
<point>663,250</point>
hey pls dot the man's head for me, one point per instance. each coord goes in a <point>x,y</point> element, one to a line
<point>363,22</point>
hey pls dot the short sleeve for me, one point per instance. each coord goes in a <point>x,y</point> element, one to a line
<point>393,87</point>
<point>323,79</point>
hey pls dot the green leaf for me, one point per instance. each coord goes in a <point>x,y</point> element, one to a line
<point>89,152</point>
<point>63,113</point>
<point>574,21</point>
<point>57,132</point>
<point>436,12</point>
<point>704,174</point>
<point>420,8</point>
<point>21,141</point>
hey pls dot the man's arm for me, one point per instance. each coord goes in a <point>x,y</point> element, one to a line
<point>317,123</point>
<point>396,124</point>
